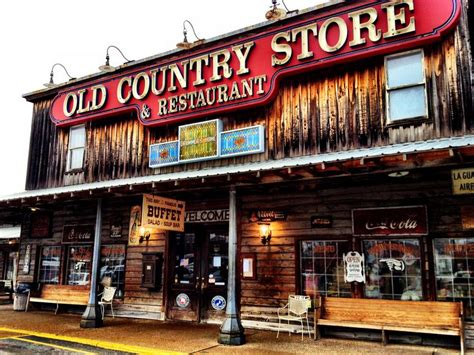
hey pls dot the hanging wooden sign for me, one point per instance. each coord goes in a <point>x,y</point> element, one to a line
<point>163,213</point>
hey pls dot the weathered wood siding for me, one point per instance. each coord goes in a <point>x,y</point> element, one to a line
<point>136,300</point>
<point>3,258</point>
<point>277,263</point>
<point>335,109</point>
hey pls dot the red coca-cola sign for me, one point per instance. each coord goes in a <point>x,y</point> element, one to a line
<point>396,221</point>
<point>245,71</point>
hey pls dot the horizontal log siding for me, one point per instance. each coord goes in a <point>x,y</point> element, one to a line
<point>277,267</point>
<point>335,109</point>
<point>114,210</point>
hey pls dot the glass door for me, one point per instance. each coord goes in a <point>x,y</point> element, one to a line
<point>184,277</point>
<point>214,280</point>
<point>198,267</point>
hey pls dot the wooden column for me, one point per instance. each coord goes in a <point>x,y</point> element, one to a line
<point>232,332</point>
<point>92,317</point>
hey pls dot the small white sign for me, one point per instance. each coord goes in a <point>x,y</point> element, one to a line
<point>354,267</point>
<point>216,261</point>
<point>26,265</point>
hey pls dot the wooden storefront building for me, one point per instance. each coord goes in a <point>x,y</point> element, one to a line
<point>347,127</point>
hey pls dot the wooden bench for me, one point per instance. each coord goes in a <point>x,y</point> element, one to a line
<point>6,289</point>
<point>444,318</point>
<point>61,294</point>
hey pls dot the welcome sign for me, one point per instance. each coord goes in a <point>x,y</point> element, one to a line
<point>245,71</point>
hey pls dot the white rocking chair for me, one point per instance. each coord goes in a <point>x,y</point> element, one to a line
<point>107,299</point>
<point>295,310</point>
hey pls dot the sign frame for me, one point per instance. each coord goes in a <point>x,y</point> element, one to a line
<point>173,217</point>
<point>359,212</point>
<point>430,23</point>
<point>78,229</point>
<point>218,124</point>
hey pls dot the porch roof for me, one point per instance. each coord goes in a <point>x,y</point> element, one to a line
<point>256,167</point>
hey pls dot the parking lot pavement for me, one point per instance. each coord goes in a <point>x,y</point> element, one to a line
<point>24,341</point>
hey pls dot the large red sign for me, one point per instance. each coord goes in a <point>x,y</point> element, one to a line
<point>390,221</point>
<point>245,72</point>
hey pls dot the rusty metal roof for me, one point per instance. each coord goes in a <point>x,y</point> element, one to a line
<point>341,156</point>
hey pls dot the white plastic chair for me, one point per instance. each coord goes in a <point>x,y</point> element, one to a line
<point>107,299</point>
<point>295,310</point>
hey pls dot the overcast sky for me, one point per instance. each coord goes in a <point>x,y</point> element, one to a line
<point>36,34</point>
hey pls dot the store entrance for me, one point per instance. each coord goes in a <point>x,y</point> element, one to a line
<point>197,286</point>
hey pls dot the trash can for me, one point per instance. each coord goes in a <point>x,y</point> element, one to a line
<point>20,297</point>
<point>19,301</point>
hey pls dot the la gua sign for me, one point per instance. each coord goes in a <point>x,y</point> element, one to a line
<point>245,72</point>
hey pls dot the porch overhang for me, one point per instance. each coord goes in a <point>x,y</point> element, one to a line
<point>384,159</point>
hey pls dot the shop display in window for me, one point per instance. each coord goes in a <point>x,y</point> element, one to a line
<point>218,259</point>
<point>322,268</point>
<point>112,265</point>
<point>454,271</point>
<point>50,265</point>
<point>79,265</point>
<point>393,269</point>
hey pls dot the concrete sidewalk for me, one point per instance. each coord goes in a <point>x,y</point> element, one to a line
<point>189,338</point>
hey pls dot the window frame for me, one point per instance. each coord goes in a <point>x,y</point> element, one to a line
<point>68,262</point>
<point>414,119</point>
<point>61,262</point>
<point>101,265</point>
<point>70,149</point>
<point>298,259</point>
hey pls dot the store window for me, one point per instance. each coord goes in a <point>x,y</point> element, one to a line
<point>77,142</point>
<point>79,265</point>
<point>393,269</point>
<point>322,268</point>
<point>112,264</point>
<point>50,265</point>
<point>454,271</point>
<point>11,265</point>
<point>406,87</point>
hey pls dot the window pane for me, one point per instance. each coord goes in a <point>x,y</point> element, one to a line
<point>393,269</point>
<point>77,137</point>
<point>454,271</point>
<point>218,259</point>
<point>405,70</point>
<point>50,265</point>
<point>322,270</point>
<point>407,103</point>
<point>79,265</point>
<point>112,264</point>
<point>184,262</point>
<point>77,158</point>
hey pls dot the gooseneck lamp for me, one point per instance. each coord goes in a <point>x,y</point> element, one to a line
<point>185,44</point>
<point>107,68</point>
<point>51,83</point>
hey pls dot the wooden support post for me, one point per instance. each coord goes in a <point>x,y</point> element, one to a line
<point>232,332</point>
<point>92,317</point>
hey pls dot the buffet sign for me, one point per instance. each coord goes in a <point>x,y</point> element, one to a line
<point>162,213</point>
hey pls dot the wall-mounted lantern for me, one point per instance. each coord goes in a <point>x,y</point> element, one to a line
<point>144,234</point>
<point>265,233</point>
